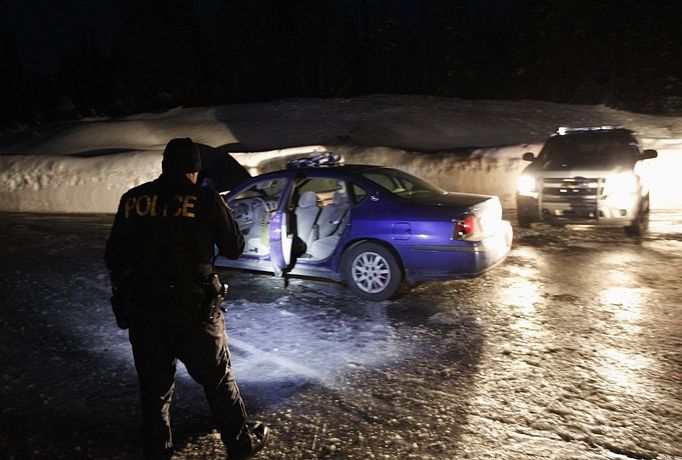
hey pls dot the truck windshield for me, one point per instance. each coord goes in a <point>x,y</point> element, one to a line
<point>589,149</point>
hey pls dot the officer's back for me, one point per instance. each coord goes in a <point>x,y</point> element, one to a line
<point>166,230</point>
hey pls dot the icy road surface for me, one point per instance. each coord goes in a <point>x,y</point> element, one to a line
<point>572,349</point>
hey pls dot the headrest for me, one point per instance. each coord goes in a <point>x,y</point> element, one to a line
<point>339,198</point>
<point>307,199</point>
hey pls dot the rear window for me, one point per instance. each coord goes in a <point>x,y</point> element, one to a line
<point>400,183</point>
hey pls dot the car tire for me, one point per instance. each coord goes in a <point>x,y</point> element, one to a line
<point>641,224</point>
<point>372,271</point>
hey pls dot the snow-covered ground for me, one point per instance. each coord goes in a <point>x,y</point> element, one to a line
<point>473,146</point>
<point>570,349</point>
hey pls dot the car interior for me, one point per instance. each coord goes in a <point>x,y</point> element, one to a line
<point>253,210</point>
<point>320,228</point>
<point>320,213</point>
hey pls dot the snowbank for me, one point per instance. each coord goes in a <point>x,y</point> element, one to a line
<point>71,184</point>
<point>473,146</point>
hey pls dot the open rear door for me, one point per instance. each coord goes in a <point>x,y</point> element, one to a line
<point>281,242</point>
<point>285,244</point>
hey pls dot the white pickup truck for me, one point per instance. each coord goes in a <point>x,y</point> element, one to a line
<point>589,176</point>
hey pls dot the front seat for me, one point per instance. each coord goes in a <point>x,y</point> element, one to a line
<point>306,216</point>
<point>257,240</point>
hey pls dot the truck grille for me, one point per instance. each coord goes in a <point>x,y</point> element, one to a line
<point>571,188</point>
<point>571,198</point>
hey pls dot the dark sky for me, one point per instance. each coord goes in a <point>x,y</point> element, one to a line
<point>619,52</point>
<point>45,29</point>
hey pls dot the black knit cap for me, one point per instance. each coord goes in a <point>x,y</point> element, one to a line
<point>181,156</point>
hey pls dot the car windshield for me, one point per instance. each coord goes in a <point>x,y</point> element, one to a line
<point>402,184</point>
<point>589,149</point>
<point>263,189</point>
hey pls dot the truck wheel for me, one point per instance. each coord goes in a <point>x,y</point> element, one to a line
<point>640,225</point>
<point>523,220</point>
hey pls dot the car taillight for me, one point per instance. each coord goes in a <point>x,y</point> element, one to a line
<point>465,226</point>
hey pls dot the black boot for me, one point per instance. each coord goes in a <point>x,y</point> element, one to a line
<point>258,433</point>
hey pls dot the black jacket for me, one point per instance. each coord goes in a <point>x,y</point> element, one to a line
<point>165,231</point>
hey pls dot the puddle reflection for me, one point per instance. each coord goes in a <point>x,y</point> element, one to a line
<point>628,303</point>
<point>622,369</point>
<point>522,293</point>
<point>625,302</point>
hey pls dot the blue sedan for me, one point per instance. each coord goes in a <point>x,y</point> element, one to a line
<point>372,227</point>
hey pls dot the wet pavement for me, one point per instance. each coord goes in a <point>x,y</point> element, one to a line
<point>571,349</point>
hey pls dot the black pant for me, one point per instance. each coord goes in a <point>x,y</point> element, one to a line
<point>166,327</point>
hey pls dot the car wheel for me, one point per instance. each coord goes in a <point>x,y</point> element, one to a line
<point>641,224</point>
<point>372,271</point>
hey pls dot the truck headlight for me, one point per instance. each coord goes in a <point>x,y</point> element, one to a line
<point>526,185</point>
<point>621,184</point>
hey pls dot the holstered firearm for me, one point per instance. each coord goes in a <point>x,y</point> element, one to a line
<point>216,291</point>
<point>122,297</point>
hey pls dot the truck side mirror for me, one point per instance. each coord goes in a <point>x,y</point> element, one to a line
<point>528,156</point>
<point>648,154</point>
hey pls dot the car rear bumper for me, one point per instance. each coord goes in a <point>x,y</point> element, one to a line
<point>467,260</point>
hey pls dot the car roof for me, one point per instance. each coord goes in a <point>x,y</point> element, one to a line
<point>328,170</point>
<point>593,130</point>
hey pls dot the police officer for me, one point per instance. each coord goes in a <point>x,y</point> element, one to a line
<point>160,255</point>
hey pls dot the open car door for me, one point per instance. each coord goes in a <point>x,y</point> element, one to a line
<point>285,245</point>
<point>311,221</point>
<point>281,243</point>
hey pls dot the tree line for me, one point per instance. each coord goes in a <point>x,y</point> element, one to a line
<point>622,53</point>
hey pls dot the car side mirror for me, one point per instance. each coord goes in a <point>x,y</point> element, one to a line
<point>528,156</point>
<point>648,154</point>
